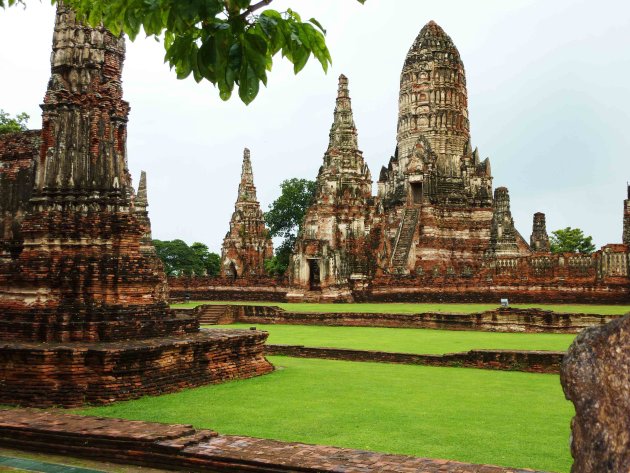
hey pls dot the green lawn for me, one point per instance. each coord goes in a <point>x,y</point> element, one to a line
<point>405,340</point>
<point>503,418</point>
<point>408,308</point>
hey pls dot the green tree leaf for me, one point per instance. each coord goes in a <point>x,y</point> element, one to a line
<point>226,42</point>
<point>15,124</point>
<point>284,219</point>
<point>571,240</point>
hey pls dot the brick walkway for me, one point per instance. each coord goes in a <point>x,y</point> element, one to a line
<point>183,447</point>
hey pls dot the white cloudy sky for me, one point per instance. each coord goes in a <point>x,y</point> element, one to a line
<point>548,88</point>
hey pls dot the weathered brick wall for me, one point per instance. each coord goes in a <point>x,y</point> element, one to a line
<point>498,320</point>
<point>598,278</point>
<point>225,289</point>
<point>510,360</point>
<point>70,375</point>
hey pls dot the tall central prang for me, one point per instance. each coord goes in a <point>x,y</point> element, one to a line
<point>433,100</point>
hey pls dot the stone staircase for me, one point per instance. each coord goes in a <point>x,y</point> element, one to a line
<point>210,314</point>
<point>404,238</point>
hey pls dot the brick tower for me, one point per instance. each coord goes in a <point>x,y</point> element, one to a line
<point>84,270</point>
<point>539,240</point>
<point>247,244</point>
<point>331,246</point>
<point>433,100</point>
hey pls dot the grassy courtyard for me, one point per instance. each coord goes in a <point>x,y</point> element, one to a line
<point>505,418</point>
<point>413,308</point>
<point>404,340</point>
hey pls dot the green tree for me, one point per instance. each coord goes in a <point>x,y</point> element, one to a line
<point>181,259</point>
<point>207,263</point>
<point>571,240</point>
<point>12,125</point>
<point>226,42</point>
<point>284,219</point>
<point>177,257</point>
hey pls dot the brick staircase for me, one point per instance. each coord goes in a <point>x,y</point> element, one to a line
<point>210,314</point>
<point>404,239</point>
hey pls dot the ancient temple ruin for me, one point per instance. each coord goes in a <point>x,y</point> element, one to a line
<point>332,247</point>
<point>435,230</point>
<point>247,244</point>
<point>84,315</point>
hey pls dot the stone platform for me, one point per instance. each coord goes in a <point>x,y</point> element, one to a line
<point>72,374</point>
<point>182,448</point>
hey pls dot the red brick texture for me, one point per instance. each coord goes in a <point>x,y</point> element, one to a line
<point>84,315</point>
<point>69,375</point>
<point>498,320</point>
<point>180,447</point>
<point>508,360</point>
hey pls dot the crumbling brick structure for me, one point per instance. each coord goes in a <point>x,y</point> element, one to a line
<point>247,244</point>
<point>435,231</point>
<point>539,240</point>
<point>83,298</point>
<point>333,245</point>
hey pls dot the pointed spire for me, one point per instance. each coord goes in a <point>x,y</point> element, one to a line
<point>343,133</point>
<point>246,189</point>
<point>141,196</point>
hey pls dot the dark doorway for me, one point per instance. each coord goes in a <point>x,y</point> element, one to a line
<point>233,273</point>
<point>313,275</point>
<point>416,192</point>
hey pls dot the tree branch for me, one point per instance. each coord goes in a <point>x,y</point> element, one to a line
<point>256,6</point>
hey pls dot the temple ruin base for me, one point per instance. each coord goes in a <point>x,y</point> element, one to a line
<point>74,374</point>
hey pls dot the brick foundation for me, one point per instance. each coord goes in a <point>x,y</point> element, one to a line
<point>508,360</point>
<point>498,320</point>
<point>225,289</point>
<point>73,374</point>
<point>181,447</point>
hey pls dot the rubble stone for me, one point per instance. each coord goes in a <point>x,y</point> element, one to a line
<point>596,378</point>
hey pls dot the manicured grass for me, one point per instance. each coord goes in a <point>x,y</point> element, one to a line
<point>480,416</point>
<point>404,340</point>
<point>409,308</point>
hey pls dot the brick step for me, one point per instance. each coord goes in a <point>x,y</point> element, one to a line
<point>211,314</point>
<point>404,238</point>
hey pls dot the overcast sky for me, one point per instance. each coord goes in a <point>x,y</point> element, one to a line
<point>548,90</point>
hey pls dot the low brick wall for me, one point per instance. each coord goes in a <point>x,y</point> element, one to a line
<point>499,320</point>
<point>183,448</point>
<point>73,374</point>
<point>588,292</point>
<point>222,289</point>
<point>509,360</point>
